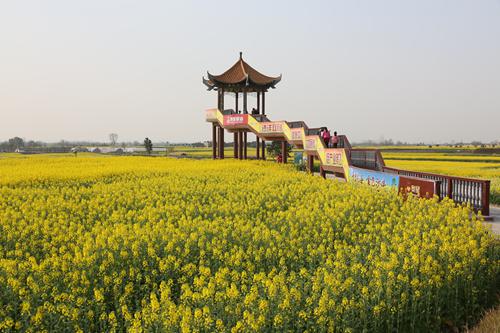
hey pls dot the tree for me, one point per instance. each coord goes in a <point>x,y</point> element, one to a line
<point>16,143</point>
<point>148,145</point>
<point>274,149</point>
<point>113,138</point>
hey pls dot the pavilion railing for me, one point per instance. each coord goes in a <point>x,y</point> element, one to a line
<point>297,124</point>
<point>343,142</point>
<point>461,190</point>
<point>366,158</point>
<point>261,118</point>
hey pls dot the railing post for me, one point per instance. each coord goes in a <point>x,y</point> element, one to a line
<point>485,198</point>
<point>437,190</point>
<point>449,189</point>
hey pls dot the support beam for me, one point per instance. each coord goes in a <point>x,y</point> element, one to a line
<point>263,110</point>
<point>310,163</point>
<point>240,152</point>
<point>245,147</point>
<point>221,143</point>
<point>284,151</point>
<point>263,150</point>
<point>236,102</point>
<point>214,141</point>
<point>258,102</point>
<point>235,144</point>
<point>222,100</point>
<point>322,172</point>
<point>258,147</point>
<point>245,109</point>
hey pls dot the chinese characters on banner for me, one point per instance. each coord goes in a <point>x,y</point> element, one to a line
<point>373,178</point>
<point>297,134</point>
<point>310,144</point>
<point>274,127</point>
<point>334,158</point>
<point>423,188</point>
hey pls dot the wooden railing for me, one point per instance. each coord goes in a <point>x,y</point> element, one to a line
<point>462,190</point>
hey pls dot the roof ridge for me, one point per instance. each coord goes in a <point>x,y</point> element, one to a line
<point>241,61</point>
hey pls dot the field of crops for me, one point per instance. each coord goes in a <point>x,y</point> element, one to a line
<point>157,244</point>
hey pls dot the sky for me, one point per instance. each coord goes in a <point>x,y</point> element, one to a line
<point>415,71</point>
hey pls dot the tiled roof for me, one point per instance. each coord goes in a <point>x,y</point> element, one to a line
<point>241,72</point>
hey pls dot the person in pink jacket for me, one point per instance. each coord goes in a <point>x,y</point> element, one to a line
<point>335,140</point>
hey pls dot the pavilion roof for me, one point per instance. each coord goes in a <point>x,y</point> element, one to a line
<point>241,74</point>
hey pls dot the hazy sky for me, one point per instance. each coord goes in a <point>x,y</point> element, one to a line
<point>407,70</point>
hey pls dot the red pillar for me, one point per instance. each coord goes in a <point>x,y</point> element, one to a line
<point>240,153</point>
<point>235,144</point>
<point>263,110</point>
<point>258,147</point>
<point>236,103</point>
<point>284,151</point>
<point>263,150</point>
<point>221,143</point>
<point>214,141</point>
<point>310,163</point>
<point>245,148</point>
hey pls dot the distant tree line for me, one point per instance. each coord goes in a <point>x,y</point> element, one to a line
<point>20,144</point>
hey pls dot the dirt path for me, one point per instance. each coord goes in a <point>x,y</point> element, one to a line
<point>495,223</point>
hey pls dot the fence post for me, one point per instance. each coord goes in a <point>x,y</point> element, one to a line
<point>485,198</point>
<point>437,189</point>
<point>449,189</point>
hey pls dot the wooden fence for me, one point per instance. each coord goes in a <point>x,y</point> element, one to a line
<point>461,190</point>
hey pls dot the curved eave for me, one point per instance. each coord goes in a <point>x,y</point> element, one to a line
<point>216,79</point>
<point>213,82</point>
<point>210,85</point>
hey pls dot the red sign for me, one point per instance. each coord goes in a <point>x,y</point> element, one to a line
<point>235,119</point>
<point>423,188</point>
<point>310,144</point>
<point>296,133</point>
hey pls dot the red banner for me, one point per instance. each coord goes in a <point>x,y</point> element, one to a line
<point>310,143</point>
<point>296,133</point>
<point>235,119</point>
<point>423,188</point>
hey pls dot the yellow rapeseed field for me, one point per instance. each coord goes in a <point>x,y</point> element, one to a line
<point>156,244</point>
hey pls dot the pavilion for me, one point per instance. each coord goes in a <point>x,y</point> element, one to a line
<point>242,79</point>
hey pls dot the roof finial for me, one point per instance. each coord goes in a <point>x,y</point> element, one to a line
<point>241,55</point>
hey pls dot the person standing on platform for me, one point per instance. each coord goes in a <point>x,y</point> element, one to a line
<point>326,137</point>
<point>335,140</point>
